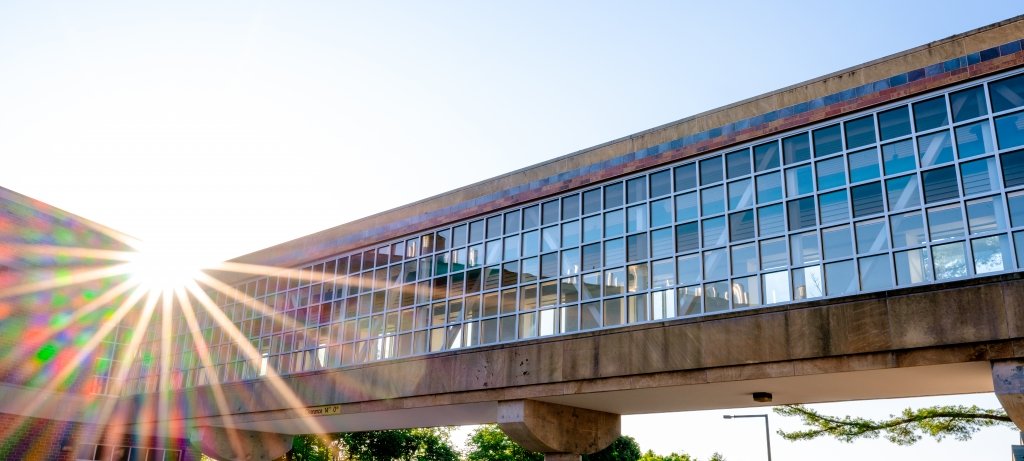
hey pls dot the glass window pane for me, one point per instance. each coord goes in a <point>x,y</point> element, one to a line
<point>551,238</point>
<point>663,273</point>
<point>710,170</point>
<point>867,199</point>
<point>744,259</point>
<point>949,260</point>
<point>531,244</point>
<point>991,254</point>
<point>686,207</point>
<point>985,215</point>
<point>945,222</point>
<point>776,287</point>
<point>801,213</point>
<point>613,195</point>
<point>689,300</point>
<point>864,165</point>
<point>940,184</point>
<point>687,237</point>
<point>766,156</point>
<point>614,223</point>
<point>913,266</point>
<point>636,218</point>
<point>738,163</point>
<point>808,283</point>
<point>871,236</point>
<point>967,104</point>
<point>662,243</point>
<point>530,270</point>
<point>770,220</point>
<point>614,314</point>
<point>1010,130</point>
<point>827,141</point>
<point>590,316</point>
<point>796,148</point>
<point>860,132</point>
<point>1016,204</point>
<point>636,247</point>
<point>746,292</point>
<point>741,194</point>
<point>686,177</point>
<point>592,201</point>
<point>571,262</point>
<point>898,157</point>
<point>769,187</point>
<point>837,242</point>
<point>661,184</point>
<point>907,229</point>
<point>930,113</point>
<point>979,176</point>
<point>716,264</point>
<point>592,228</point>
<point>774,254</point>
<point>571,234</point>
<point>712,201</point>
<point>840,278</point>
<point>636,189</point>
<point>934,149</point>
<point>831,173</point>
<point>591,286</point>
<point>614,252</point>
<point>799,181</point>
<point>661,212</point>
<point>974,139</point>
<point>902,192</point>
<point>713,232</point>
<point>875,273</point>
<point>570,209</point>
<point>741,225</point>
<point>614,282</point>
<point>1007,93</point>
<point>1013,168</point>
<point>549,212</point>
<point>804,248</point>
<point>894,123</point>
<point>637,278</point>
<point>834,207</point>
<point>531,217</point>
<point>688,268</point>
<point>716,297</point>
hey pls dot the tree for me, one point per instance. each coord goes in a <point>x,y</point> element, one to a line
<point>938,422</point>
<point>651,456</point>
<point>489,443</point>
<point>432,444</point>
<point>623,448</point>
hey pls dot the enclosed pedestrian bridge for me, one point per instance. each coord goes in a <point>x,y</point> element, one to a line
<point>856,236</point>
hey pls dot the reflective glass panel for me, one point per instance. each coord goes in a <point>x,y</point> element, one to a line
<point>907,229</point>
<point>1016,203</point>
<point>776,287</point>
<point>771,220</point>
<point>945,222</point>
<point>614,252</point>
<point>689,299</point>
<point>712,201</point>
<point>935,149</point>
<point>769,187</point>
<point>636,218</point>
<point>940,184</point>
<point>614,224</point>
<point>974,139</point>
<point>827,141</point>
<point>796,148</point>
<point>860,132</point>
<point>713,233</point>
<point>834,207</point>
<point>863,165</point>
<point>1010,130</point>
<point>661,212</point>
<point>1007,93</point>
<point>716,264</point>
<point>801,213</point>
<point>741,225</point>
<point>804,248</point>
<point>837,242</point>
<point>867,199</point>
<point>685,177</point>
<point>661,184</point>
<point>746,292</point>
<point>913,266</point>
<point>979,176</point>
<point>903,192</point>
<point>766,156</point>
<point>831,173</point>
<point>744,259</point>
<point>871,236</point>
<point>799,181</point>
<point>687,237</point>
<point>662,243</point>
<point>686,207</point>
<point>592,201</point>
<point>774,254</point>
<point>894,123</point>
<point>949,260</point>
<point>840,278</point>
<point>741,194</point>
<point>716,296</point>
<point>968,103</point>
<point>738,163</point>
<point>930,113</point>
<point>808,283</point>
<point>985,215</point>
<point>688,268</point>
<point>710,170</point>
<point>875,273</point>
<point>636,189</point>
<point>991,254</point>
<point>898,157</point>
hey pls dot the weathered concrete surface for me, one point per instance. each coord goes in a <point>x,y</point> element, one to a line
<point>238,445</point>
<point>1008,383</point>
<point>557,429</point>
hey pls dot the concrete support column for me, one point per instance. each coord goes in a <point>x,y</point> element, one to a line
<point>237,445</point>
<point>1008,381</point>
<point>561,432</point>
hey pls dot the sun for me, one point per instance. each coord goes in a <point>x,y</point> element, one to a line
<point>163,268</point>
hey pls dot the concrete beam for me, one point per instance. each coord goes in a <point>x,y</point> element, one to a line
<point>225,444</point>
<point>1008,383</point>
<point>560,432</point>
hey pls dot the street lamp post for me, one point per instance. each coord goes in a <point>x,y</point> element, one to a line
<point>767,432</point>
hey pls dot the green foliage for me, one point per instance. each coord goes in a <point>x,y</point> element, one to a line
<point>310,448</point>
<point>651,456</point>
<point>623,448</point>
<point>489,443</point>
<point>431,444</point>
<point>938,422</point>
<point>379,445</point>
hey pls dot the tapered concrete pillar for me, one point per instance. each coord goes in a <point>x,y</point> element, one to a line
<point>561,432</point>
<point>1008,382</point>
<point>238,445</point>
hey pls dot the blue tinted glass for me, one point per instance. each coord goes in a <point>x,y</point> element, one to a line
<point>612,195</point>
<point>769,187</point>
<point>686,206</point>
<point>1010,130</point>
<point>867,199</point>
<point>940,184</point>
<point>827,141</point>
<point>979,176</point>
<point>796,148</point>
<point>991,254</point>
<point>1015,201</point>
<point>687,237</point>
<point>716,264</point>
<point>712,201</point>
<point>771,220</point>
<point>1013,168</point>
<point>864,165</point>
<point>710,170</point>
<point>801,213</point>
<point>831,173</point>
<point>592,228</point>
<point>531,243</point>
<point>741,225</point>
<point>661,184</point>
<point>894,123</point>
<point>614,223</point>
<point>974,139</point>
<point>662,243</point>
<point>766,156</point>
<point>949,260</point>
<point>1007,93</point>
<point>871,236</point>
<point>636,218</point>
<point>898,157</point>
<point>935,149</point>
<point>968,104</point>
<point>636,190</point>
<point>799,181</point>
<point>738,163</point>
<point>860,132</point>
<point>741,194</point>
<point>591,201</point>
<point>907,230</point>
<point>875,273</point>
<point>834,207</point>
<point>744,259</point>
<point>661,212</point>
<point>902,192</point>
<point>930,113</point>
<point>614,252</point>
<point>837,242</point>
<point>840,278</point>
<point>713,232</point>
<point>571,234</point>
<point>774,254</point>
<point>686,177</point>
<point>945,222</point>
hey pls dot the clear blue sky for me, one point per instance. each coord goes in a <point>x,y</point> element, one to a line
<point>226,127</point>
